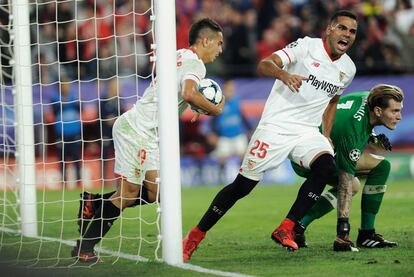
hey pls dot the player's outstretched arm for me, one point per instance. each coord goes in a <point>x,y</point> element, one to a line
<point>192,96</point>
<point>271,66</point>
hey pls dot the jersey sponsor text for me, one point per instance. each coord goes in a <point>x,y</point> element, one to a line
<point>331,89</point>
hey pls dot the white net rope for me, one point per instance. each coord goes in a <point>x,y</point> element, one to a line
<point>91,61</point>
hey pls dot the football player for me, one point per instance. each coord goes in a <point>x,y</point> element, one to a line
<point>310,75</point>
<point>135,141</point>
<point>358,113</point>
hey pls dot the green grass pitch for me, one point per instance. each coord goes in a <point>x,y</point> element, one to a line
<point>239,243</point>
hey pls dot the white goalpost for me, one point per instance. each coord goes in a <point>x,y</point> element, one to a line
<point>24,117</point>
<point>68,69</point>
<point>170,181</point>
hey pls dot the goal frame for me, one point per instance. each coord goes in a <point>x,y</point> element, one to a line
<point>169,180</point>
<point>23,99</point>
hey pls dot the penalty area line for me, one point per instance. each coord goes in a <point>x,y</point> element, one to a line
<point>134,258</point>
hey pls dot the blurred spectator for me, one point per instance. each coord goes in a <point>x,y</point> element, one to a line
<point>192,140</point>
<point>404,15</point>
<point>132,49</point>
<point>120,32</point>
<point>44,72</point>
<point>270,42</point>
<point>46,46</point>
<point>67,111</point>
<point>228,130</point>
<point>110,109</point>
<point>107,64</point>
<point>406,44</point>
<point>186,10</point>
<point>238,54</point>
<point>69,52</point>
<point>87,36</point>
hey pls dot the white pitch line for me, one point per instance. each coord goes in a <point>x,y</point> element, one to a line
<point>135,257</point>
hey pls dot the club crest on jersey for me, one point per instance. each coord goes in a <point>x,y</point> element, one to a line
<point>323,85</point>
<point>251,164</point>
<point>354,155</point>
<point>138,173</point>
<point>341,76</point>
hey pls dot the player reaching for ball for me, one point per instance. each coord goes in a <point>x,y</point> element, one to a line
<point>135,141</point>
<point>310,75</point>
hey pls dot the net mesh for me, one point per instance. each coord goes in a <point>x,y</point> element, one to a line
<point>91,61</point>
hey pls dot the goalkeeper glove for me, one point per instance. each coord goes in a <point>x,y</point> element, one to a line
<point>380,140</point>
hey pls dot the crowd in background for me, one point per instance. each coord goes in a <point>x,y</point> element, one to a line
<point>90,39</point>
<point>113,38</point>
<point>254,29</point>
<point>110,39</point>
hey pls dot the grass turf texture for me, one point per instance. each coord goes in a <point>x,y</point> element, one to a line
<point>240,242</point>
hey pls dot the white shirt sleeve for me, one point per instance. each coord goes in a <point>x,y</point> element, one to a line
<point>294,51</point>
<point>194,70</point>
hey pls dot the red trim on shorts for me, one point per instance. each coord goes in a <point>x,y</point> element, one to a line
<point>287,55</point>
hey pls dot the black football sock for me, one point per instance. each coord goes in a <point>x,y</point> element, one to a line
<point>323,171</point>
<point>225,199</point>
<point>100,225</point>
<point>343,228</point>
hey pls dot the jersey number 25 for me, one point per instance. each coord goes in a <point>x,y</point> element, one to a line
<point>259,149</point>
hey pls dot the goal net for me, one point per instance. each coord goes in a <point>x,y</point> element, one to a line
<point>88,62</point>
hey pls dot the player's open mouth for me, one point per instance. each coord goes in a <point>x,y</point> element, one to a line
<point>343,44</point>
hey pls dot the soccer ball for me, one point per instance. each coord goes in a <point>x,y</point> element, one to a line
<point>211,91</point>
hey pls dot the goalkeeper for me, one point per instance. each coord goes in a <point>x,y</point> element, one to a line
<point>357,114</point>
<point>135,141</point>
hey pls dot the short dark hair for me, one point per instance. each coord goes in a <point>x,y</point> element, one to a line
<point>199,26</point>
<point>380,95</point>
<point>346,13</point>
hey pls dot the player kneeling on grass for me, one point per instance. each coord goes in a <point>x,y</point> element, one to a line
<point>358,113</point>
<point>135,141</point>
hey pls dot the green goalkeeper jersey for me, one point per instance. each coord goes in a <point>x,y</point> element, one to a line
<point>350,132</point>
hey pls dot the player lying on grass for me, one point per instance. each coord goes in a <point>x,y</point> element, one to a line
<point>358,113</point>
<point>310,75</point>
<point>135,141</point>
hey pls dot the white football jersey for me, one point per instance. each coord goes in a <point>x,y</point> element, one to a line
<point>288,112</point>
<point>143,117</point>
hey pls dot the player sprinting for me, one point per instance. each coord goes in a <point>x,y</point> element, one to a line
<point>135,141</point>
<point>358,113</point>
<point>311,73</point>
